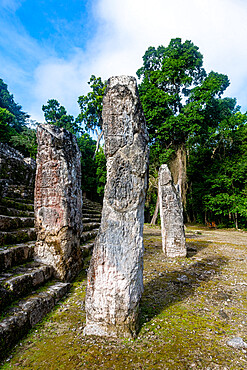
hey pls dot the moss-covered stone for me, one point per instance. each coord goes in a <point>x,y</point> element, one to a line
<point>184,323</point>
<point>17,205</point>
<point>17,236</point>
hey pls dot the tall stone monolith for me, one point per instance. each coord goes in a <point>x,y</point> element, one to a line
<point>58,201</point>
<point>115,277</point>
<point>171,214</point>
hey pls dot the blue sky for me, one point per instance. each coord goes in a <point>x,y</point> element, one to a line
<point>49,49</point>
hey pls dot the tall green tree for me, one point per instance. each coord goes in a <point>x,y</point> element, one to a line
<point>93,169</point>
<point>180,101</point>
<point>88,166</point>
<point>91,107</point>
<point>217,171</point>
<point>56,114</point>
<point>167,77</point>
<point>7,121</point>
<point>100,160</point>
<point>25,141</point>
<point>16,118</point>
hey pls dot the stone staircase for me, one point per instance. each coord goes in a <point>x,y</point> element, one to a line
<point>28,290</point>
<point>91,212</point>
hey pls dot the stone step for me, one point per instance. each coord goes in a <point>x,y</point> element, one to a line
<point>6,211</point>
<point>27,313</point>
<point>16,255</point>
<point>10,190</point>
<point>90,203</point>
<point>88,211</point>
<point>87,235</point>
<point>86,220</point>
<point>17,205</point>
<point>94,206</point>
<point>22,280</point>
<point>17,236</point>
<point>23,195</point>
<point>87,249</point>
<point>91,226</point>
<point>92,209</point>
<point>91,216</point>
<point>8,223</point>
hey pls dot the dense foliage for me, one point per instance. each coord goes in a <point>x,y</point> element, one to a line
<point>15,130</point>
<point>91,105</point>
<point>56,114</point>
<point>217,174</point>
<point>14,123</point>
<point>91,108</point>
<point>93,169</point>
<point>186,115</point>
<point>184,108</point>
<point>168,74</point>
<point>11,112</point>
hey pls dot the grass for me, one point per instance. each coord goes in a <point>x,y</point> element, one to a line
<point>184,324</point>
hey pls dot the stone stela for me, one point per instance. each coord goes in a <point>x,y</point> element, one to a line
<point>171,214</point>
<point>58,201</point>
<point>115,277</point>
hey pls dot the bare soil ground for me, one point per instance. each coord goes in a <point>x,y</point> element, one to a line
<point>190,308</point>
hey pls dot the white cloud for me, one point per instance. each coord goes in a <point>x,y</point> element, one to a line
<point>59,79</point>
<point>124,29</point>
<point>11,5</point>
<point>218,27</point>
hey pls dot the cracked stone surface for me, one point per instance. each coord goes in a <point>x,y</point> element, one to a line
<point>17,173</point>
<point>58,201</point>
<point>115,277</point>
<point>171,214</point>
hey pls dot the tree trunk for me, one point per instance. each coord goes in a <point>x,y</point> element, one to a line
<point>177,166</point>
<point>99,136</point>
<point>188,218</point>
<point>236,220</point>
<point>156,211</point>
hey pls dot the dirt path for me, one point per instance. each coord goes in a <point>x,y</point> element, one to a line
<point>190,308</point>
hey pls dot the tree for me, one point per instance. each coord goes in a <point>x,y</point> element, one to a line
<point>88,166</point>
<point>91,107</point>
<point>180,101</point>
<point>100,160</point>
<point>56,114</point>
<point>93,170</point>
<point>217,170</point>
<point>7,121</point>
<point>13,122</point>
<point>152,198</point>
<point>26,142</point>
<point>18,118</point>
<point>167,76</point>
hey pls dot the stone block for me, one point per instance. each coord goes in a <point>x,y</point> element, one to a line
<point>27,314</point>
<point>58,201</point>
<point>171,214</point>
<point>17,170</point>
<point>115,277</point>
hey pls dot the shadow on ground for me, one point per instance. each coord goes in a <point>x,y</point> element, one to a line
<point>168,288</point>
<point>193,248</point>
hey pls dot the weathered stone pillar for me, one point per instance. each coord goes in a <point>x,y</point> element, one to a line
<point>171,214</point>
<point>58,201</point>
<point>115,277</point>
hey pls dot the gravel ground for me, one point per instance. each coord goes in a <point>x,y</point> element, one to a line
<point>191,310</point>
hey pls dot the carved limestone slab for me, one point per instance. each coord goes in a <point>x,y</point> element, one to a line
<point>58,201</point>
<point>115,277</point>
<point>171,214</point>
